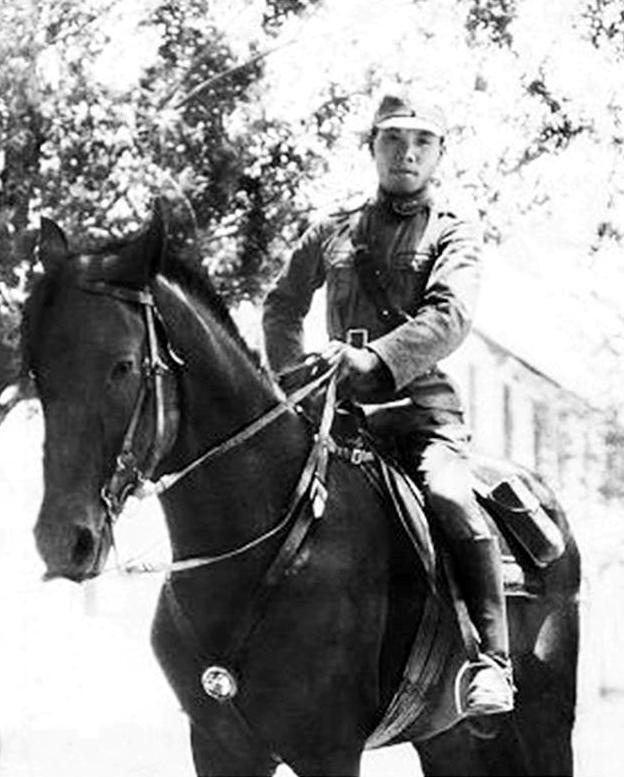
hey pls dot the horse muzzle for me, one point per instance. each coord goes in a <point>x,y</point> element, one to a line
<point>74,549</point>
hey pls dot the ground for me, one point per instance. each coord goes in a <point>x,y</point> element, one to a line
<point>82,696</point>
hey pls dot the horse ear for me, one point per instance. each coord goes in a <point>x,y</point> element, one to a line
<point>182,239</point>
<point>140,260</point>
<point>154,240</point>
<point>53,247</point>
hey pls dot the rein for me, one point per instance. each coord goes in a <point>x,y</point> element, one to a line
<point>306,505</point>
<point>219,680</point>
<point>165,482</point>
<point>130,479</point>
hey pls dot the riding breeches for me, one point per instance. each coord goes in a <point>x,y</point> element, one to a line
<point>436,456</point>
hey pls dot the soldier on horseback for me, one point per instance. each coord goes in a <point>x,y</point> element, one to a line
<point>402,275</point>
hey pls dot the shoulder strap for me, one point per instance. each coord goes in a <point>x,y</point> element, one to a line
<point>369,271</point>
<point>369,275</point>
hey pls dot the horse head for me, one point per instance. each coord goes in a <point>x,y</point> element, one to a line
<point>88,345</point>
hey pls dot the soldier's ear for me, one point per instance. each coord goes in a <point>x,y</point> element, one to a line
<point>370,140</point>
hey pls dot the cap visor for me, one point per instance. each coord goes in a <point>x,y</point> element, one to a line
<point>410,122</point>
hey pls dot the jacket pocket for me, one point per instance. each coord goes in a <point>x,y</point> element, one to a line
<point>340,280</point>
<point>417,261</point>
<point>339,258</point>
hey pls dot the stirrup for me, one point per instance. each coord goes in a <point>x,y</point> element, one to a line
<point>464,678</point>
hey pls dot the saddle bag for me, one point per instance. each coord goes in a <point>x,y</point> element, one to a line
<point>520,513</point>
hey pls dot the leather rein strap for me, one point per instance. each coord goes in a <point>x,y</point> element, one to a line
<point>246,433</point>
<point>312,483</point>
<point>219,682</point>
<point>220,676</point>
<point>129,478</point>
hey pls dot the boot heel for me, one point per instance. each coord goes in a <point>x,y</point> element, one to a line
<point>500,699</point>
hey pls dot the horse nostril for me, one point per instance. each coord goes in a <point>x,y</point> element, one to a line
<point>84,547</point>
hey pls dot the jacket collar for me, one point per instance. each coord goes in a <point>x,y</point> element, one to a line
<point>404,204</point>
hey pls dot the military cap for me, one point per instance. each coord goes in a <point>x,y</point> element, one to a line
<point>407,113</point>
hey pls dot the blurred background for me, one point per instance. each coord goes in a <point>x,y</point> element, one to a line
<point>256,111</point>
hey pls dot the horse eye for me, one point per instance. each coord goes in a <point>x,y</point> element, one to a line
<point>122,369</point>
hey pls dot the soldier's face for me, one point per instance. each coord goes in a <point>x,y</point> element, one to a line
<point>405,158</point>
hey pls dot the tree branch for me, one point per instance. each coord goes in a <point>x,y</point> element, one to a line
<point>220,76</point>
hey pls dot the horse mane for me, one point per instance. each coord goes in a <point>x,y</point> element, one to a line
<point>194,278</point>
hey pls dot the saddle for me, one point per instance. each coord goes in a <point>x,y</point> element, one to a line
<point>522,517</point>
<point>527,530</point>
<point>424,704</point>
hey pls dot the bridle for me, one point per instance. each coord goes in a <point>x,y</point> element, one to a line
<point>130,473</point>
<point>132,477</point>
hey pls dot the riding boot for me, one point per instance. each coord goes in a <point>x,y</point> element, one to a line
<point>479,573</point>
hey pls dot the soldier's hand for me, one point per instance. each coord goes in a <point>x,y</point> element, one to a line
<point>361,373</point>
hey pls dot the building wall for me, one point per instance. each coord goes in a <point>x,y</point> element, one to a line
<point>518,413</point>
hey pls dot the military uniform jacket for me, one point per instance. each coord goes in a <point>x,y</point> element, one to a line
<point>430,268</point>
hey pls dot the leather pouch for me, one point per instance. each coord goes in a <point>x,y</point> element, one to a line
<point>520,512</point>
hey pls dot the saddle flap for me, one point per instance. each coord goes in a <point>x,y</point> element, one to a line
<point>409,507</point>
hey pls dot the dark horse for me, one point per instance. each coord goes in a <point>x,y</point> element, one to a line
<point>139,367</point>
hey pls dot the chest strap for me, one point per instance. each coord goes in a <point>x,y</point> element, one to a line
<point>219,680</point>
<point>371,271</point>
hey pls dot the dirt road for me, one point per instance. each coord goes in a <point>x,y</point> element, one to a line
<point>81,694</point>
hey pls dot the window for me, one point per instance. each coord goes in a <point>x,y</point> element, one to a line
<point>508,424</point>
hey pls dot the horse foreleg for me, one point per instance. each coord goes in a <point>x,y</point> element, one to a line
<point>544,717</point>
<point>454,753</point>
<point>333,764</point>
<point>546,701</point>
<point>217,757</point>
<point>535,740</point>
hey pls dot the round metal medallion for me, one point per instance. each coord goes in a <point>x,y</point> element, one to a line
<point>218,683</point>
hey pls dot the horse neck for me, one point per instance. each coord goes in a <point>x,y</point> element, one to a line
<point>243,493</point>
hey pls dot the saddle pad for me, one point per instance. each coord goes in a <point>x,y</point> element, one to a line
<point>409,506</point>
<point>424,703</point>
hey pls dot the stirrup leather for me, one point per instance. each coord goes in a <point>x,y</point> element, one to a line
<point>493,701</point>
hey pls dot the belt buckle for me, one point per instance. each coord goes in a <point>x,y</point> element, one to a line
<point>357,338</point>
<point>357,456</point>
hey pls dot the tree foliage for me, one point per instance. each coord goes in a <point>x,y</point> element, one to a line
<point>492,18</point>
<point>255,112</point>
<point>92,155</point>
<point>606,25</point>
